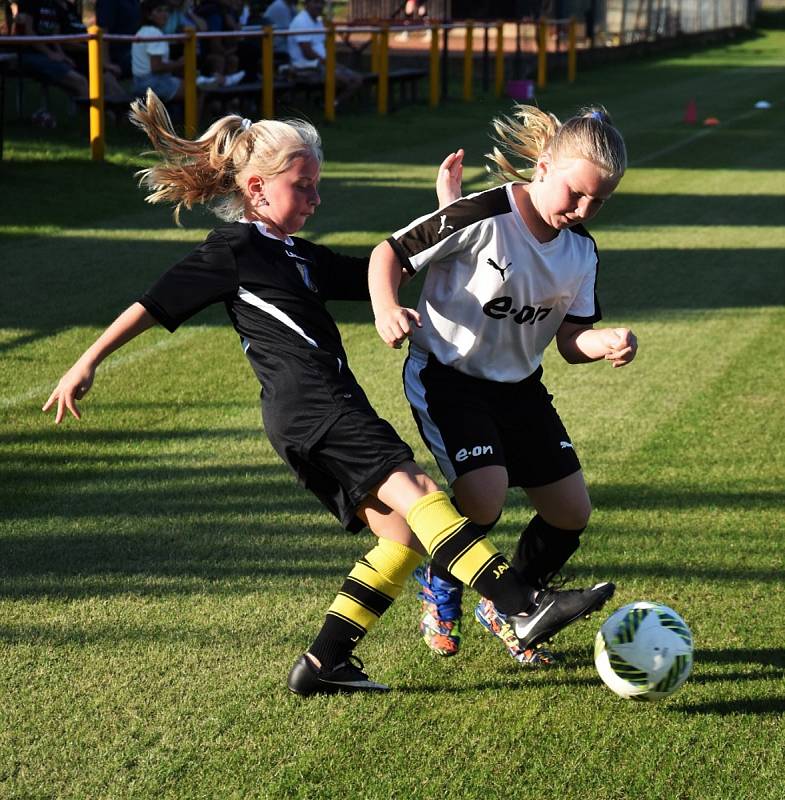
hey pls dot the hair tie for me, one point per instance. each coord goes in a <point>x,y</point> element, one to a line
<point>246,123</point>
<point>598,115</point>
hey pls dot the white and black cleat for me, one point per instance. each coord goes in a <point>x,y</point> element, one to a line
<point>556,609</point>
<point>305,678</point>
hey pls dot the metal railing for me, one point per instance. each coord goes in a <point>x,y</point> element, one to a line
<point>380,63</point>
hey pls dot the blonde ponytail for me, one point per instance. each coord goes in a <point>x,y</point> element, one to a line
<point>531,132</point>
<point>210,169</point>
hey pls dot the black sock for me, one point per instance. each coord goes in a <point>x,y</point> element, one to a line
<point>333,643</point>
<point>543,550</point>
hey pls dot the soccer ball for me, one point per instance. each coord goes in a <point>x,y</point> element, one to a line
<point>643,651</point>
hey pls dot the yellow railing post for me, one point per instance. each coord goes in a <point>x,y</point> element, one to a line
<point>329,74</point>
<point>572,56</point>
<point>468,62</point>
<point>191,111</point>
<point>542,53</point>
<point>375,52</point>
<point>499,87</point>
<point>383,86</point>
<point>434,70</point>
<point>268,74</point>
<point>96,86</point>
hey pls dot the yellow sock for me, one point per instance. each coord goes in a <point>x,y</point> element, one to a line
<point>462,548</point>
<point>373,584</point>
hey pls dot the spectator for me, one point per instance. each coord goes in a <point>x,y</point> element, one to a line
<point>280,14</point>
<point>47,62</point>
<point>307,49</point>
<point>414,11</point>
<point>182,15</point>
<point>70,22</point>
<point>151,64</point>
<point>150,60</point>
<point>222,56</point>
<point>120,17</point>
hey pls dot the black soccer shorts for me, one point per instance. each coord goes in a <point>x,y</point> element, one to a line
<point>355,454</point>
<point>469,423</point>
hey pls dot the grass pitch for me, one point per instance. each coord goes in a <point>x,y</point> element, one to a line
<point>160,571</point>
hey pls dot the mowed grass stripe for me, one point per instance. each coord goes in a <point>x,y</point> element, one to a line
<point>160,570</point>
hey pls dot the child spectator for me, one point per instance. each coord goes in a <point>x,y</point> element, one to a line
<point>150,63</point>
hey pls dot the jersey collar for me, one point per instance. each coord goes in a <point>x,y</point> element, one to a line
<point>262,228</point>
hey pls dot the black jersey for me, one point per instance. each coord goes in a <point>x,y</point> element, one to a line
<point>275,294</point>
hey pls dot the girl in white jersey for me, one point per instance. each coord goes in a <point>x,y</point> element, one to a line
<point>509,270</point>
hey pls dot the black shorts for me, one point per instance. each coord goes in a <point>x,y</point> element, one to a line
<point>469,423</point>
<point>354,454</point>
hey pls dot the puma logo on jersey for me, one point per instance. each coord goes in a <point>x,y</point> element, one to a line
<point>499,269</point>
<point>478,450</point>
<point>566,445</point>
<point>501,307</point>
<point>444,226</point>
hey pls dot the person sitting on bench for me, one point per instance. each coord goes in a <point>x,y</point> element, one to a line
<point>307,50</point>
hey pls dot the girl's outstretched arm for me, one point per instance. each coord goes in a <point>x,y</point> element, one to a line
<point>581,343</point>
<point>75,384</point>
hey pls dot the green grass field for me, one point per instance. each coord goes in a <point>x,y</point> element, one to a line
<point>160,571</point>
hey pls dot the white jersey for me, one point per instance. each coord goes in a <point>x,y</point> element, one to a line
<point>141,51</point>
<point>494,296</point>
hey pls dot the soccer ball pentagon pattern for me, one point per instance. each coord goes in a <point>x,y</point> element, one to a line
<point>643,651</point>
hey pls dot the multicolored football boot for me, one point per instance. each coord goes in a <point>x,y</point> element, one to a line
<point>440,624</point>
<point>496,623</point>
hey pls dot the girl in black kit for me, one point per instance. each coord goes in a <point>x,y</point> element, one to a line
<point>262,179</point>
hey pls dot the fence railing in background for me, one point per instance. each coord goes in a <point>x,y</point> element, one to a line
<point>534,40</point>
<point>620,22</point>
<point>380,57</point>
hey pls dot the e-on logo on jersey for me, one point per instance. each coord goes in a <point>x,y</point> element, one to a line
<point>501,307</point>
<point>464,454</point>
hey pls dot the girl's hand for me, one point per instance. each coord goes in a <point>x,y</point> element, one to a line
<point>73,386</point>
<point>394,325</point>
<point>449,179</point>
<point>621,344</point>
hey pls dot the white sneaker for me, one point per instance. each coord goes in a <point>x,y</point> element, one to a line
<point>234,78</point>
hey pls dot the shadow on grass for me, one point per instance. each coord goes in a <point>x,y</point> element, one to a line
<point>65,281</point>
<point>110,517</point>
<point>764,707</point>
<point>767,657</point>
<point>648,497</point>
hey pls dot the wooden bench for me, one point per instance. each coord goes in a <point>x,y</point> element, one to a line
<point>406,80</point>
<point>248,93</point>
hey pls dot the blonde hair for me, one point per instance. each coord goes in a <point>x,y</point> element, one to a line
<point>531,132</point>
<point>211,169</point>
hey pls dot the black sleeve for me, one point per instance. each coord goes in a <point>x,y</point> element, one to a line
<point>207,275</point>
<point>341,277</point>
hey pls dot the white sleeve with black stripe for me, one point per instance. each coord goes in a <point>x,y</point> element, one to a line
<point>436,236</point>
